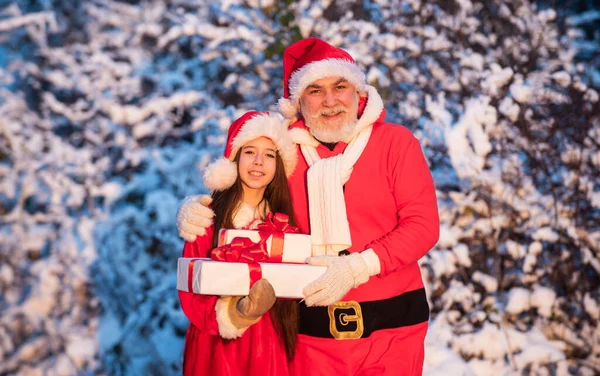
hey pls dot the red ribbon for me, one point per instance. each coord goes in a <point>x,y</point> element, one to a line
<point>191,273</point>
<point>245,250</point>
<point>241,250</point>
<point>276,225</point>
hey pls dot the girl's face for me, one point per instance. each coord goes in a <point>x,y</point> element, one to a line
<point>256,166</point>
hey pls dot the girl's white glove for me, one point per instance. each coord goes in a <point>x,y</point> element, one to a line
<point>343,273</point>
<point>194,216</point>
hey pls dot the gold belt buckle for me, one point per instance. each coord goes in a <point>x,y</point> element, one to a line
<point>342,314</point>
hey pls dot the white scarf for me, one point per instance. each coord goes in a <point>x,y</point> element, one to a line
<point>329,226</point>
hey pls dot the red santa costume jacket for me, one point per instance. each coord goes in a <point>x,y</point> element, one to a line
<point>391,207</point>
<point>258,351</point>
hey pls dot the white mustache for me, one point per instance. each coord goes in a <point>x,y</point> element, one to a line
<point>330,111</point>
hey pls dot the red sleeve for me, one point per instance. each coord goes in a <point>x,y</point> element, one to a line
<point>418,226</point>
<point>200,309</point>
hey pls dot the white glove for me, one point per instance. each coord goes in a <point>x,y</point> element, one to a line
<point>194,216</point>
<point>343,273</point>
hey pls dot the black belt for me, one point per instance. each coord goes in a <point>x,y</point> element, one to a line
<point>351,320</point>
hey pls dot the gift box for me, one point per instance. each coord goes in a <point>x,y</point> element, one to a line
<point>208,277</point>
<point>289,248</point>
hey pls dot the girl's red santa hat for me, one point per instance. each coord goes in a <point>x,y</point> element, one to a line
<point>222,173</point>
<point>309,60</point>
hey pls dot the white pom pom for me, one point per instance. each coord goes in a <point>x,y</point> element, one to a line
<point>220,174</point>
<point>287,108</point>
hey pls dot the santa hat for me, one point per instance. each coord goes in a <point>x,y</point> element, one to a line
<point>221,174</point>
<point>309,60</point>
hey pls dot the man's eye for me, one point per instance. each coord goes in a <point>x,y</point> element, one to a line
<point>314,91</point>
<point>341,87</point>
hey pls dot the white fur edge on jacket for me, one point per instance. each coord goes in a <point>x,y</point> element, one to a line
<point>226,328</point>
<point>220,174</point>
<point>370,115</point>
<point>246,215</point>
<point>309,73</point>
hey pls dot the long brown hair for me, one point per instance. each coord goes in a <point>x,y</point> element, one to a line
<point>284,313</point>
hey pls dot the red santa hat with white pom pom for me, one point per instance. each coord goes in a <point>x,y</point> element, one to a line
<point>222,173</point>
<point>309,60</point>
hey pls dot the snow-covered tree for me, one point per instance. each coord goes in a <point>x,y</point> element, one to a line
<point>107,108</point>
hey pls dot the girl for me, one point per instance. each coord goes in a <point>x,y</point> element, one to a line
<point>255,334</point>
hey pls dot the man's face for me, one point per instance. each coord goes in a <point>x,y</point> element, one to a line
<point>330,108</point>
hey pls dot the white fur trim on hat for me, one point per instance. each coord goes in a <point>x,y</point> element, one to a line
<point>317,70</point>
<point>220,174</point>
<point>287,108</point>
<point>272,126</point>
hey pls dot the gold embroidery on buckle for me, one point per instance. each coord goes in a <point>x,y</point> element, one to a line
<point>344,319</point>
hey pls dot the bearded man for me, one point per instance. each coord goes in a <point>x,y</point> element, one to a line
<point>363,190</point>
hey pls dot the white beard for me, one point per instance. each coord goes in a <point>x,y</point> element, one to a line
<point>324,134</point>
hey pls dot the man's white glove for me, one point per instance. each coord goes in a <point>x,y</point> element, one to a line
<point>194,216</point>
<point>343,273</point>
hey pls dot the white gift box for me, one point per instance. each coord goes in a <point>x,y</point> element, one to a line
<point>296,247</point>
<point>211,277</point>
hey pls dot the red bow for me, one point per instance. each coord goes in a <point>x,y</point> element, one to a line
<point>277,222</point>
<point>276,225</point>
<point>241,250</point>
<point>245,250</point>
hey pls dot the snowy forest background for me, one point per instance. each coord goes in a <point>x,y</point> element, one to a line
<point>107,108</point>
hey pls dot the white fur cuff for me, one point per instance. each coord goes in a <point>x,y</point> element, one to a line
<point>372,260</point>
<point>226,328</point>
